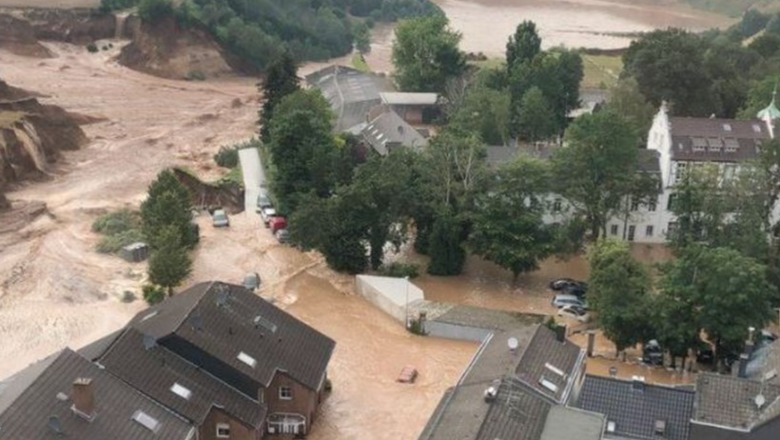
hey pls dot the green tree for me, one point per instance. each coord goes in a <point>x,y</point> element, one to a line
<point>626,100</point>
<point>508,228</point>
<point>154,10</point>
<point>727,292</point>
<point>426,54</point>
<point>362,38</point>
<point>445,248</point>
<point>669,65</point>
<point>524,45</point>
<point>484,111</point>
<point>281,80</point>
<point>597,168</point>
<point>619,293</point>
<point>169,264</point>
<point>759,96</point>
<point>303,150</point>
<point>168,203</point>
<point>153,294</point>
<point>536,120</point>
<point>766,45</point>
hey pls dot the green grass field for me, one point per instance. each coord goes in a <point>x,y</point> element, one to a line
<point>359,63</point>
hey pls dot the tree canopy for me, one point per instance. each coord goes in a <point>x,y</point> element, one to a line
<point>281,80</point>
<point>524,45</point>
<point>168,203</point>
<point>426,54</point>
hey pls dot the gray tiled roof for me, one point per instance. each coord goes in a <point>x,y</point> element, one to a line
<point>480,317</point>
<point>517,413</point>
<point>495,360</point>
<point>730,401</point>
<point>388,130</point>
<point>27,418</point>
<point>635,412</point>
<point>94,350</point>
<point>546,357</point>
<point>350,92</point>
<point>224,320</point>
<point>498,155</point>
<point>714,135</point>
<point>565,423</point>
<point>155,370</point>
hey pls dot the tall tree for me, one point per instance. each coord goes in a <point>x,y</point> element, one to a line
<point>485,111</point>
<point>281,80</point>
<point>618,291</point>
<point>524,45</point>
<point>168,203</point>
<point>626,100</point>
<point>303,150</point>
<point>597,168</point>
<point>669,65</point>
<point>445,248</point>
<point>426,54</point>
<point>727,291</point>
<point>536,120</point>
<point>169,264</point>
<point>508,228</point>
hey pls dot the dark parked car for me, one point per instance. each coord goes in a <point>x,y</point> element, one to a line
<point>652,354</point>
<point>569,286</point>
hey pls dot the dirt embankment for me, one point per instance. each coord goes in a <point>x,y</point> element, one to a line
<point>32,136</point>
<point>77,26</point>
<point>168,50</point>
<point>18,36</point>
<point>204,194</point>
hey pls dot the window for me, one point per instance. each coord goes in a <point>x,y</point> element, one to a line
<point>652,204</point>
<point>557,205</point>
<point>245,358</point>
<point>285,393</point>
<point>649,231</point>
<point>181,391</point>
<point>680,171</point>
<point>728,171</point>
<point>670,203</point>
<point>699,144</point>
<point>223,430</point>
<point>714,144</point>
<point>634,204</point>
<point>726,127</point>
<point>732,145</point>
<point>146,421</point>
<point>671,228</point>
<point>613,229</point>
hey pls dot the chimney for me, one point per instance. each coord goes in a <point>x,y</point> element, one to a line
<point>743,361</point>
<point>637,383</point>
<point>560,333</point>
<point>83,398</point>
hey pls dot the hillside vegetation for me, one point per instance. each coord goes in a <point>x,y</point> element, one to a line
<point>258,30</point>
<point>735,8</point>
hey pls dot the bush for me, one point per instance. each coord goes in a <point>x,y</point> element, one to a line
<point>116,222</point>
<point>227,157</point>
<point>112,5</point>
<point>153,294</point>
<point>92,47</point>
<point>111,244</point>
<point>196,75</point>
<point>399,270</point>
<point>154,10</point>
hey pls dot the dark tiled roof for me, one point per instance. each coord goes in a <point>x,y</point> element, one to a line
<point>545,358</point>
<point>389,128</point>
<point>495,360</point>
<point>225,320</point>
<point>517,413</point>
<point>94,350</point>
<point>565,423</point>
<point>716,140</point>
<point>459,415</point>
<point>155,370</point>
<point>635,412</point>
<point>730,401</point>
<point>115,403</point>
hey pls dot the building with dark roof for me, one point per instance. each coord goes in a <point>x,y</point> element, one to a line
<point>637,410</point>
<point>202,399</point>
<point>509,388</point>
<point>67,396</point>
<point>414,108</point>
<point>351,94</point>
<point>388,131</point>
<point>729,407</point>
<point>242,340</point>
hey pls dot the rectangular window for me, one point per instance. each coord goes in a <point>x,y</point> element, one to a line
<point>652,204</point>
<point>285,393</point>
<point>613,229</point>
<point>670,203</point>
<point>680,171</point>
<point>557,205</point>
<point>671,228</point>
<point>634,204</point>
<point>223,430</point>
<point>649,231</point>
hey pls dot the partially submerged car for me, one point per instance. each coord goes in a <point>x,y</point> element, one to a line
<point>220,218</point>
<point>283,236</point>
<point>252,281</point>
<point>574,312</point>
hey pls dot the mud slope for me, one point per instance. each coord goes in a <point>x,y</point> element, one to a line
<point>167,50</point>
<point>18,36</point>
<point>32,135</point>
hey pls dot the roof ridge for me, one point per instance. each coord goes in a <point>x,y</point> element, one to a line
<point>195,304</point>
<point>647,384</point>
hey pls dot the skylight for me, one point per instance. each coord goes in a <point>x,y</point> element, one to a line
<point>150,315</point>
<point>245,358</point>
<point>181,391</point>
<point>726,127</point>
<point>757,128</point>
<point>146,421</point>
<point>266,324</point>
<point>611,426</point>
<point>549,385</point>
<point>554,369</point>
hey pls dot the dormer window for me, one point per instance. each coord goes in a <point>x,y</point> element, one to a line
<point>699,144</point>
<point>731,145</point>
<point>714,144</point>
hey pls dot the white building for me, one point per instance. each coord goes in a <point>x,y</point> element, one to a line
<point>682,143</point>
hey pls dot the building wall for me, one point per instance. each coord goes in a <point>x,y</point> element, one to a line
<point>455,331</point>
<point>238,430</point>
<point>304,401</point>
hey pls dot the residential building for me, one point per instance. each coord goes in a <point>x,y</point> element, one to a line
<point>247,343</point>
<point>735,408</point>
<point>67,396</point>
<point>351,94</point>
<point>510,387</point>
<point>388,131</point>
<point>637,410</point>
<point>414,108</point>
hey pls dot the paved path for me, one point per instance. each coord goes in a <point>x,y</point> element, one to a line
<point>254,176</point>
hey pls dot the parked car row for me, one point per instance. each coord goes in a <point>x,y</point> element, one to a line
<point>271,219</point>
<point>569,286</point>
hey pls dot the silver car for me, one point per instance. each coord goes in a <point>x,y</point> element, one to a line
<point>220,218</point>
<point>252,281</point>
<point>562,300</point>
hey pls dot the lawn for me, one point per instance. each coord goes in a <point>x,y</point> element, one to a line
<point>601,71</point>
<point>359,63</point>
